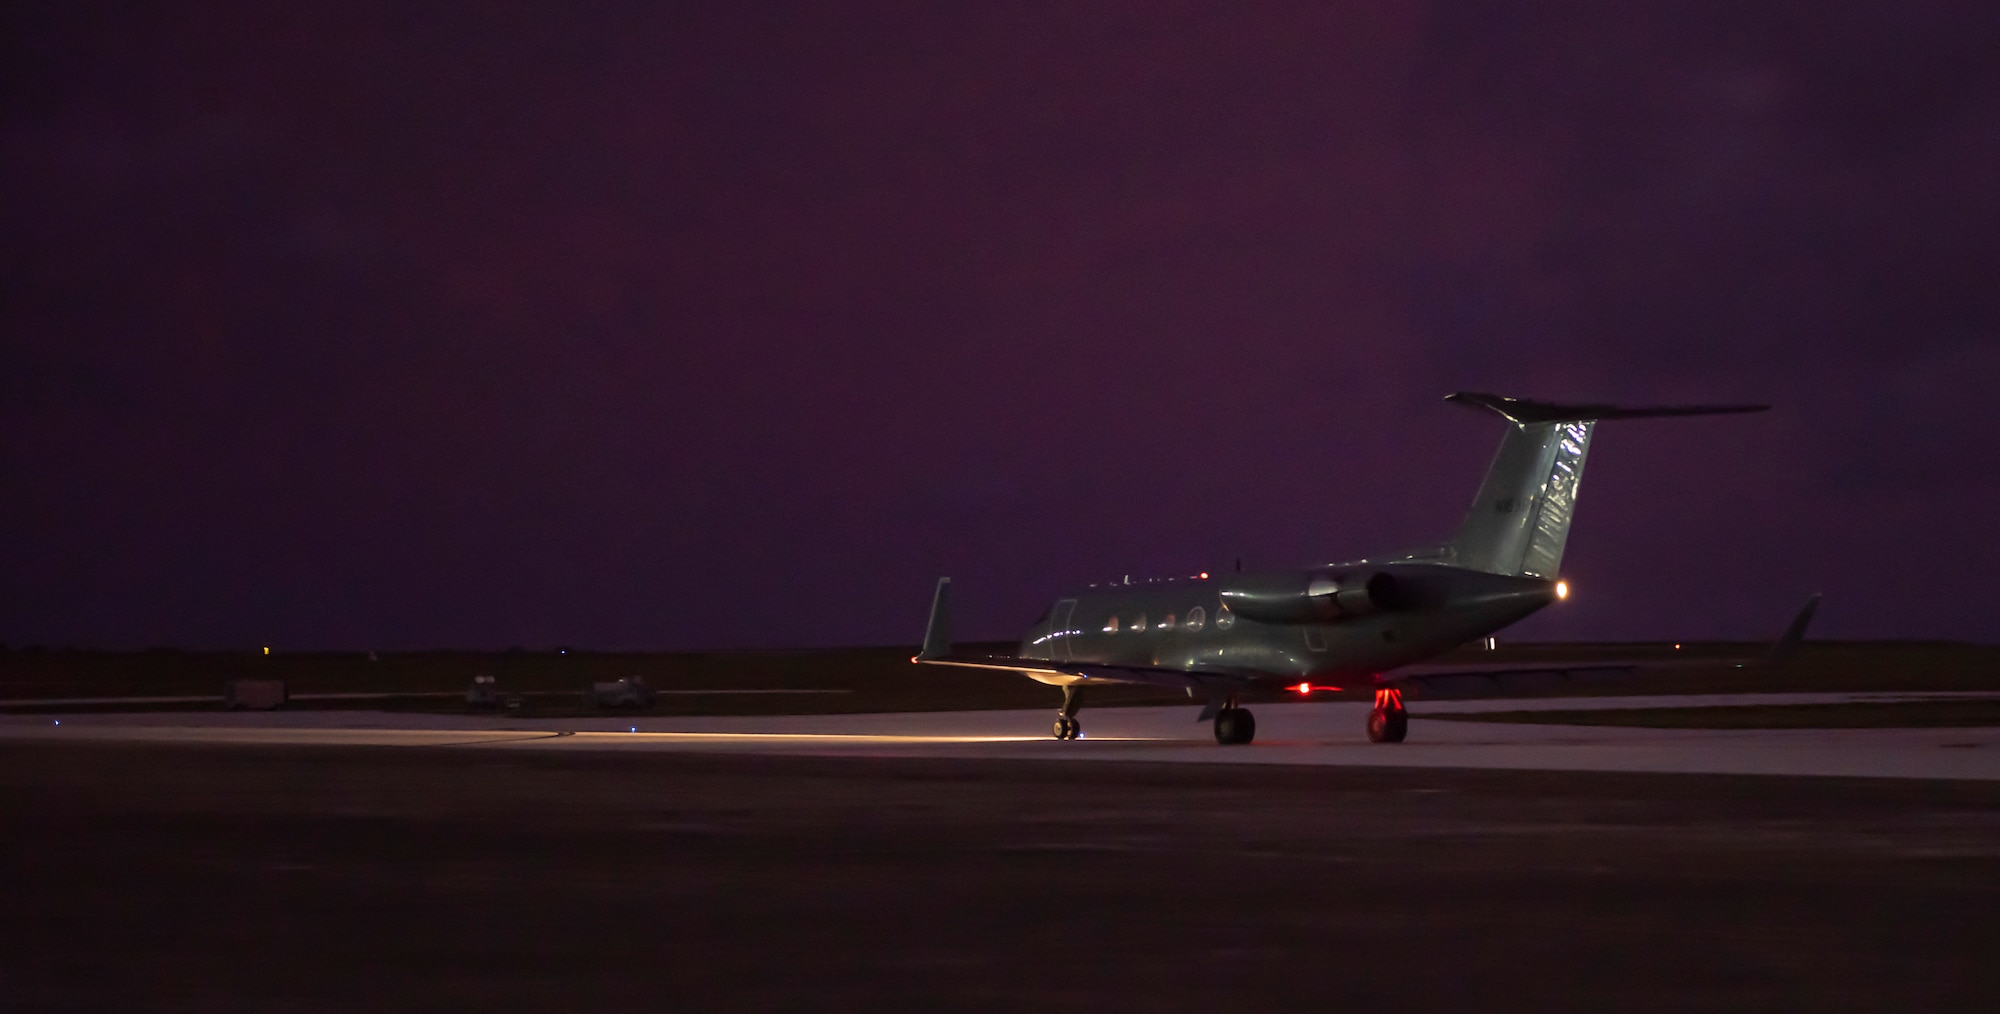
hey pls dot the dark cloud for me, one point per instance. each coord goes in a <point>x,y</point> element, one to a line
<point>634,324</point>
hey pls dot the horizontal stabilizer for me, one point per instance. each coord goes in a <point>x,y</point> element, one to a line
<point>1526,412</point>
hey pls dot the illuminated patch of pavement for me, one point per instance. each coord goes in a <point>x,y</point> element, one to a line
<point>1291,734</point>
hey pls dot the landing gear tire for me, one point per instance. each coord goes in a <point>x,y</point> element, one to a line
<point>1068,728</point>
<point>1388,726</point>
<point>1235,726</point>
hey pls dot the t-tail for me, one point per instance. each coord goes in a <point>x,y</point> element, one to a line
<point>1520,520</point>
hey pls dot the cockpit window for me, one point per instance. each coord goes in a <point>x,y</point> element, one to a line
<point>1196,618</point>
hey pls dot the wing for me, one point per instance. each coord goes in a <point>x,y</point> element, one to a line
<point>1468,681</point>
<point>1447,680</point>
<point>1198,680</point>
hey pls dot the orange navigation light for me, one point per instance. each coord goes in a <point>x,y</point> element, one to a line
<point>1204,575</point>
<point>1562,589</point>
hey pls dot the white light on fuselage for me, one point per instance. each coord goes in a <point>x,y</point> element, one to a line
<point>1562,589</point>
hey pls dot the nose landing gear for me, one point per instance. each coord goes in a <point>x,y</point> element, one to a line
<point>1388,723</point>
<point>1067,725</point>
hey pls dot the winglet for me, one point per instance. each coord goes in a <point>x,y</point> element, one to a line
<point>1789,641</point>
<point>937,636</point>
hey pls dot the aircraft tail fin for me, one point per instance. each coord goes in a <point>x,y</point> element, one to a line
<point>937,634</point>
<point>1520,520</point>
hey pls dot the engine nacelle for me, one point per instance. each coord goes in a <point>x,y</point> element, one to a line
<point>1308,597</point>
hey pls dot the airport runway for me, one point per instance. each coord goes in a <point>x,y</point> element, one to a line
<point>1299,734</point>
<point>261,878</point>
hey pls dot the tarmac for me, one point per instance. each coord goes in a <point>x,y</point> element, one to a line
<point>342,860</point>
<point>1325,734</point>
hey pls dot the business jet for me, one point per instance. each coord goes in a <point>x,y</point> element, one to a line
<point>1229,638</point>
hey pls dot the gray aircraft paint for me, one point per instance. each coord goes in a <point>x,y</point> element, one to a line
<point>1520,519</point>
<point>1446,608</point>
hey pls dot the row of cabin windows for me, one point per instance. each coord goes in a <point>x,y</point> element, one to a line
<point>1197,618</point>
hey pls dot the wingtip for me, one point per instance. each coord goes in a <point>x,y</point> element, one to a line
<point>1795,633</point>
<point>937,633</point>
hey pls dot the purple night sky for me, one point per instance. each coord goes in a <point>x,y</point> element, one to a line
<point>657,326</point>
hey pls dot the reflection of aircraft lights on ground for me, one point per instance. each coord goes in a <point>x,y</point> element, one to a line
<point>832,738</point>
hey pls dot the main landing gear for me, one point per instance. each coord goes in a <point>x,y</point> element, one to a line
<point>1067,726</point>
<point>1388,723</point>
<point>1235,726</point>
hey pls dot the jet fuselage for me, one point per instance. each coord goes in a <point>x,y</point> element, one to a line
<point>1185,623</point>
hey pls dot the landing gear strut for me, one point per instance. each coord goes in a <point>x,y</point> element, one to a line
<point>1234,726</point>
<point>1067,726</point>
<point>1388,723</point>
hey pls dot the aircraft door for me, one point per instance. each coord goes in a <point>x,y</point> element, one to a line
<point>1059,630</point>
<point>1315,637</point>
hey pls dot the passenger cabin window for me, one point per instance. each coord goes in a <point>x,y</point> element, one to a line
<point>1139,622</point>
<point>1167,622</point>
<point>1196,618</point>
<point>1224,619</point>
<point>1111,625</point>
